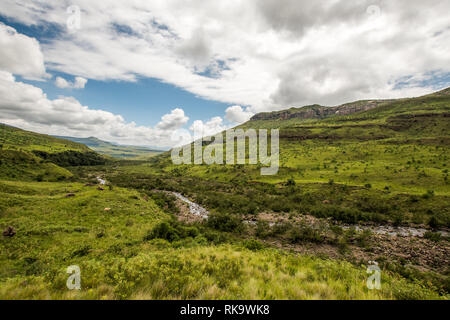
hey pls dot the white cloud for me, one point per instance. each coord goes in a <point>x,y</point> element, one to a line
<point>26,106</point>
<point>172,121</point>
<point>20,54</point>
<point>208,128</point>
<point>258,53</point>
<point>236,114</point>
<point>78,83</point>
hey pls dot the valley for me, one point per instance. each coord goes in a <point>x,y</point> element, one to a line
<point>368,183</point>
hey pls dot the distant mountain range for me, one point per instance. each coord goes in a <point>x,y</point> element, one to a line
<point>114,150</point>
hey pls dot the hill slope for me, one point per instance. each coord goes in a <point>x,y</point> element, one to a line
<point>129,242</point>
<point>114,150</point>
<point>396,150</point>
<point>15,138</point>
<point>26,155</point>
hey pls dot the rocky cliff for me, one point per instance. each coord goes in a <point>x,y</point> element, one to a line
<point>318,111</point>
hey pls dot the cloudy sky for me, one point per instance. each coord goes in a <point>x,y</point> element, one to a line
<point>134,72</point>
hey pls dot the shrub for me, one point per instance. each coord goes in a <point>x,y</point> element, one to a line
<point>428,195</point>
<point>171,231</point>
<point>224,222</point>
<point>72,158</point>
<point>253,245</point>
<point>262,229</point>
<point>165,202</point>
<point>305,233</point>
<point>291,182</point>
<point>433,236</point>
<point>434,222</point>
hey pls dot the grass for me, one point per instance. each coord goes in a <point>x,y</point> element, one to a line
<point>18,139</point>
<point>386,165</point>
<point>26,156</point>
<point>54,232</point>
<point>25,166</point>
<point>115,151</point>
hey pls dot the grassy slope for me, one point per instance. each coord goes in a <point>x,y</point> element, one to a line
<point>18,162</point>
<point>390,162</point>
<point>402,146</point>
<point>54,232</point>
<point>115,151</point>
<point>18,139</point>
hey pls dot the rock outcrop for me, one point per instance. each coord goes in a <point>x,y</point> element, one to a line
<point>319,112</point>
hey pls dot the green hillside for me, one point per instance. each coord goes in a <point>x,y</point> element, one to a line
<point>12,138</point>
<point>386,166</point>
<point>26,155</point>
<point>114,150</point>
<point>308,232</point>
<point>400,146</point>
<point>121,256</point>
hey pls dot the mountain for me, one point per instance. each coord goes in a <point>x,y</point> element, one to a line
<point>381,114</point>
<point>391,147</point>
<point>115,150</point>
<point>320,112</point>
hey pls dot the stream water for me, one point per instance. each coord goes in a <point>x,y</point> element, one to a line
<point>194,208</point>
<point>198,210</point>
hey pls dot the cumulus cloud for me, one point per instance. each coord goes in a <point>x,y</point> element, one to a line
<point>256,53</point>
<point>236,114</point>
<point>208,128</point>
<point>174,120</point>
<point>78,83</point>
<point>20,54</point>
<point>26,106</point>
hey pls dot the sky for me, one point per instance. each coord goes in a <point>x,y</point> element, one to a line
<point>137,72</point>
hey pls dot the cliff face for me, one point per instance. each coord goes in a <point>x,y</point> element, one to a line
<point>319,112</point>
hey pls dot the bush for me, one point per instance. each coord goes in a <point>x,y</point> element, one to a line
<point>305,233</point>
<point>224,222</point>
<point>72,158</point>
<point>165,202</point>
<point>433,236</point>
<point>434,222</point>
<point>253,245</point>
<point>262,229</point>
<point>171,231</point>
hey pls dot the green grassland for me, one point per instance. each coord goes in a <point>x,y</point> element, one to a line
<point>399,147</point>
<point>118,261</point>
<point>388,165</point>
<point>116,151</point>
<point>28,156</point>
<point>18,139</point>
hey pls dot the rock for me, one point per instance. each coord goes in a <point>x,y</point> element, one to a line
<point>69,195</point>
<point>9,232</point>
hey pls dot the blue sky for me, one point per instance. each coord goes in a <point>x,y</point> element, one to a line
<point>144,101</point>
<point>139,74</point>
